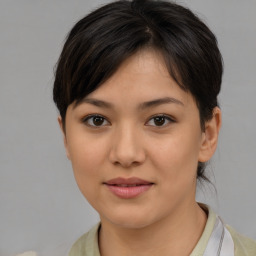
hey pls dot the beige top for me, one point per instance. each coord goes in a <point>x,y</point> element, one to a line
<point>87,244</point>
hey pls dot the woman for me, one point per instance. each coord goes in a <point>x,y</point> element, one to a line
<point>136,87</point>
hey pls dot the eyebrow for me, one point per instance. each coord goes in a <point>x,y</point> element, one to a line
<point>95,102</point>
<point>157,102</point>
<point>142,106</point>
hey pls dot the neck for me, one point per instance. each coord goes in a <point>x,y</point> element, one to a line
<point>174,235</point>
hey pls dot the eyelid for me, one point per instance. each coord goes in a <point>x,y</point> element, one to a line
<point>167,117</point>
<point>86,118</point>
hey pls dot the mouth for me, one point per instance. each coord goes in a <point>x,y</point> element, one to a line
<point>128,188</point>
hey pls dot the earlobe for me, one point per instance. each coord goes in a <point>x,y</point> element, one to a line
<point>60,121</point>
<point>210,136</point>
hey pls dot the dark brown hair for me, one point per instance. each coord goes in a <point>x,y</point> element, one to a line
<point>101,41</point>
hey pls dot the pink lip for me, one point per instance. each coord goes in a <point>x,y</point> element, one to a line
<point>128,188</point>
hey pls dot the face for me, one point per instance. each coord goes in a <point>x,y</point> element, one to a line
<point>134,144</point>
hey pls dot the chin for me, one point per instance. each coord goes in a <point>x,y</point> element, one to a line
<point>130,220</point>
<point>132,224</point>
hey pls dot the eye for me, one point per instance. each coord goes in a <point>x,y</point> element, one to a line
<point>160,120</point>
<point>95,121</point>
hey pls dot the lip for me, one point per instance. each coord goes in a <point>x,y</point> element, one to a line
<point>128,188</point>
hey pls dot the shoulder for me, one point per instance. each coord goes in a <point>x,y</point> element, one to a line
<point>78,248</point>
<point>244,246</point>
<point>87,244</point>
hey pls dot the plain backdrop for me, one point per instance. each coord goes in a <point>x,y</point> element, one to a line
<point>41,206</point>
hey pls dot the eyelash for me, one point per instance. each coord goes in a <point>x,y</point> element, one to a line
<point>90,117</point>
<point>153,118</point>
<point>165,117</point>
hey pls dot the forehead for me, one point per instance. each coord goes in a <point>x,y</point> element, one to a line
<point>140,78</point>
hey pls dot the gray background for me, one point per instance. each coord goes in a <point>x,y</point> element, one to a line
<point>41,207</point>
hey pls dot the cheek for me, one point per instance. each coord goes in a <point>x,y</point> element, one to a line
<point>177,156</point>
<point>87,159</point>
<point>86,151</point>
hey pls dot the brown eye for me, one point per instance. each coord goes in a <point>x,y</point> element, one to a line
<point>98,120</point>
<point>95,121</point>
<point>160,120</point>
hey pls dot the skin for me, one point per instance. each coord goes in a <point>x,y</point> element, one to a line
<point>129,143</point>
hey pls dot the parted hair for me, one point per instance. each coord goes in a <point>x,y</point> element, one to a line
<point>98,44</point>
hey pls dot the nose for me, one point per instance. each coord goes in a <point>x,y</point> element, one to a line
<point>127,148</point>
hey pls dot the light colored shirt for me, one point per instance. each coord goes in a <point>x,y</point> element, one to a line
<point>87,244</point>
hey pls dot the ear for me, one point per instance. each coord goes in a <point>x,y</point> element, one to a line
<point>210,136</point>
<point>60,121</point>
